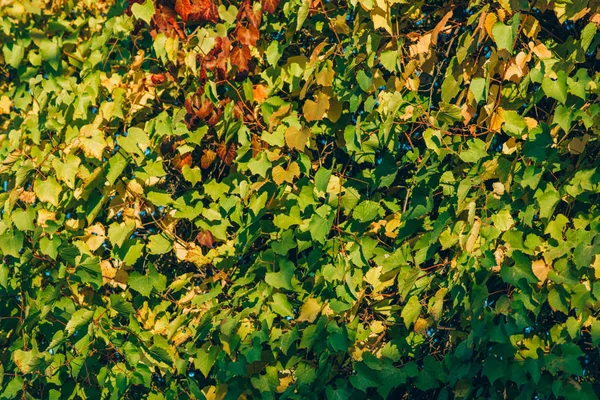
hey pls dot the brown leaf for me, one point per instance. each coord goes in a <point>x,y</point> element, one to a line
<point>227,154</point>
<point>166,147</point>
<point>207,158</point>
<point>205,109</point>
<point>258,145</point>
<point>240,55</point>
<point>440,27</point>
<point>248,36</point>
<point>206,239</point>
<point>270,5</point>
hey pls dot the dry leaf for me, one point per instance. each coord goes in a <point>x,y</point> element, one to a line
<point>281,175</point>
<point>540,269</point>
<point>315,111</point>
<point>295,138</point>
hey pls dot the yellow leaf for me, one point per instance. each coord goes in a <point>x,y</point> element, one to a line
<point>296,138</point>
<point>490,20</point>
<point>381,19</point>
<point>310,310</point>
<point>497,120</point>
<point>315,111</point>
<point>281,175</point>
<point>531,27</point>
<point>5,105</point>
<point>284,382</point>
<point>596,266</point>
<point>540,269</point>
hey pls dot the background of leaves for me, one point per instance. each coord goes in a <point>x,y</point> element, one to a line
<point>299,199</point>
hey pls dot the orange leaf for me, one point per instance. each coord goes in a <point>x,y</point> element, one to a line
<point>270,5</point>
<point>253,13</point>
<point>207,158</point>
<point>240,55</point>
<point>183,9</point>
<point>247,36</point>
<point>259,92</point>
<point>179,161</point>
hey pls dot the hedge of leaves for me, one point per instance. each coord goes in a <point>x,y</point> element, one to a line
<point>299,199</point>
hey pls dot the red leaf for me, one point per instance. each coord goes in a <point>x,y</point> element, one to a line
<point>240,55</point>
<point>247,36</point>
<point>165,20</point>
<point>204,11</point>
<point>205,238</point>
<point>270,5</point>
<point>158,79</point>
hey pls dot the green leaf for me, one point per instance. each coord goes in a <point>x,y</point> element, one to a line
<point>411,311</point>
<point>49,246</point>
<point>118,233</point>
<point>78,320</point>
<point>302,14</point>
<point>205,358</point>
<point>366,211</point>
<point>143,11</point>
<point>192,175</point>
<point>476,151</point>
<point>144,284</point>
<point>556,89</point>
<point>162,354</point>
<point>281,305</point>
<point>503,220</point>
<point>159,244</point>
<point>319,227</point>
<point>479,89</point>
<point>563,116</point>
<point>283,278</point>
<point>48,190</point>
<point>514,123</point>
<point>503,36</point>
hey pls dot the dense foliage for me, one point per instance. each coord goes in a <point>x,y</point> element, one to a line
<point>299,199</point>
